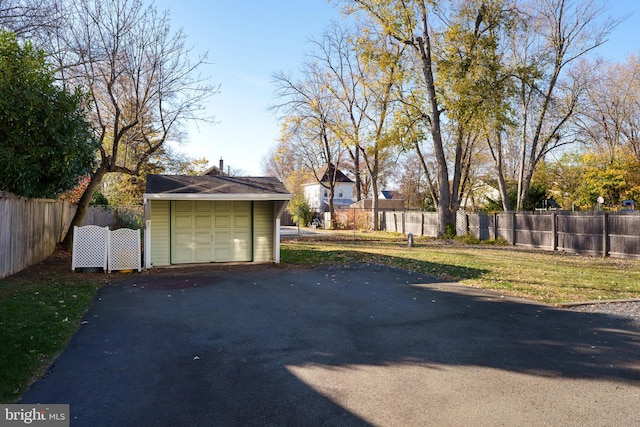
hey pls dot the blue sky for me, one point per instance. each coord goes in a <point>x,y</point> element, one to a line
<point>249,40</point>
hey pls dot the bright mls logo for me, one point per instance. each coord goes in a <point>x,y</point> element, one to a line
<point>34,415</point>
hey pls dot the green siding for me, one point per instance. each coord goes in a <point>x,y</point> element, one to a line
<point>263,223</point>
<point>160,231</point>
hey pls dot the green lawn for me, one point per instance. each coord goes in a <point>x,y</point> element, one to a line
<point>551,277</point>
<point>39,312</point>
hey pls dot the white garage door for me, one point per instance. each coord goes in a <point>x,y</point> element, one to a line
<point>210,231</point>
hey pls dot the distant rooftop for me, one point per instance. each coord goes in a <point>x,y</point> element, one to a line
<point>330,173</point>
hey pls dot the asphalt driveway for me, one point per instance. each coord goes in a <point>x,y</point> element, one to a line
<point>344,346</point>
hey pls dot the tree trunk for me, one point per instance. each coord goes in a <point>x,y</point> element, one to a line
<point>502,186</point>
<point>523,150</point>
<point>498,161</point>
<point>374,205</point>
<point>424,48</point>
<point>425,169</point>
<point>332,192</point>
<point>456,184</point>
<point>357,174</point>
<point>526,186</point>
<point>83,205</point>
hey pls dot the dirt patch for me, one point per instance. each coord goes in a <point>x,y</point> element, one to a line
<point>56,265</point>
<point>174,277</point>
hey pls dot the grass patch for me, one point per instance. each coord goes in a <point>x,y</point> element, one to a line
<point>40,309</point>
<point>550,277</point>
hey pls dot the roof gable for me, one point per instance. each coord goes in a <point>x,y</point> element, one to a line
<point>327,174</point>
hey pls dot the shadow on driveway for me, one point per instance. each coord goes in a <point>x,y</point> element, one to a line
<point>347,346</point>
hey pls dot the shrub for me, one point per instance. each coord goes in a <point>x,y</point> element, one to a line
<point>99,199</point>
<point>300,210</point>
<point>469,239</point>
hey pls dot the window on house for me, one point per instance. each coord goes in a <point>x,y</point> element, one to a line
<point>340,195</point>
<point>326,193</point>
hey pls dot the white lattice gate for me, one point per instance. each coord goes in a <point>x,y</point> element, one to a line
<point>97,247</point>
<point>124,250</point>
<point>90,247</point>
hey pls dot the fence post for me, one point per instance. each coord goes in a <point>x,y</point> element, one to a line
<point>513,227</point>
<point>354,224</point>
<point>605,234</point>
<point>554,230</point>
<point>147,244</point>
<point>466,223</point>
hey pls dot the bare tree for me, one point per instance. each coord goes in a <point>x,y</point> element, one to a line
<point>553,36</point>
<point>308,112</point>
<point>142,79</point>
<point>338,53</point>
<point>285,164</point>
<point>609,120</point>
<point>347,96</point>
<point>29,18</point>
<point>411,181</point>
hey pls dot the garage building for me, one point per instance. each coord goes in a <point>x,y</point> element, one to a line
<point>212,218</point>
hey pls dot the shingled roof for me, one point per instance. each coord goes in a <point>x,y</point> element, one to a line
<point>218,187</point>
<point>327,173</point>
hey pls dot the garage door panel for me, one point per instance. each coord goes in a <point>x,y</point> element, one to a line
<point>182,206</point>
<point>202,221</point>
<point>202,206</point>
<point>223,238</point>
<point>242,207</point>
<point>202,254</point>
<point>216,231</point>
<point>202,238</point>
<point>223,207</point>
<point>241,253</point>
<point>241,221</point>
<point>183,238</point>
<point>182,258</point>
<point>183,221</point>
<point>242,245</point>
<point>241,236</point>
<point>183,254</point>
<point>223,221</point>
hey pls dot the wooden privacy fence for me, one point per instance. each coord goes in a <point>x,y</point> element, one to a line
<point>30,229</point>
<point>415,222</point>
<point>593,233</point>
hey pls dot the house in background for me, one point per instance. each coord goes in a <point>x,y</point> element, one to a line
<point>317,191</point>
<point>480,193</point>
<point>216,170</point>
<point>212,218</point>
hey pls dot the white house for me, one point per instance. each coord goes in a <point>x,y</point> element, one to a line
<point>317,191</point>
